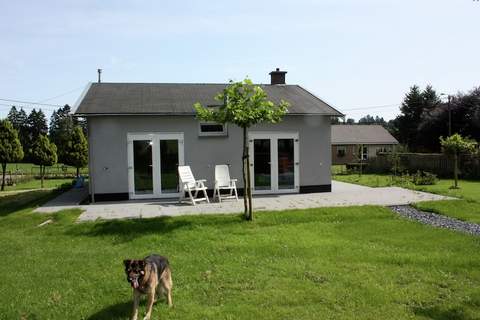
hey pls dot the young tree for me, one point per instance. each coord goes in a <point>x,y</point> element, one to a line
<point>244,105</point>
<point>453,146</point>
<point>44,153</point>
<point>10,148</point>
<point>76,151</point>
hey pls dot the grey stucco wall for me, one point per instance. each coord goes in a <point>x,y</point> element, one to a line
<point>108,148</point>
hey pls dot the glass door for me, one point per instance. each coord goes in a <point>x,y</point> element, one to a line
<point>274,162</point>
<point>262,170</point>
<point>152,164</point>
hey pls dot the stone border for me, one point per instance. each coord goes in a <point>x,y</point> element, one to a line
<point>437,220</point>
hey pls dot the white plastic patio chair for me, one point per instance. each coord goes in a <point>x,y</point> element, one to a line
<point>223,182</point>
<point>189,184</point>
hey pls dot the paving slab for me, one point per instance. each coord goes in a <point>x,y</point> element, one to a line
<point>343,194</point>
<point>70,199</point>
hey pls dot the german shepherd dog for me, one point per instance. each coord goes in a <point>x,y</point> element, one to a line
<point>145,276</point>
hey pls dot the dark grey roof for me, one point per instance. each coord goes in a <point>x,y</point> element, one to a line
<point>361,134</point>
<point>178,98</point>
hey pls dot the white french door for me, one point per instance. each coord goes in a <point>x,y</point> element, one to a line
<point>274,162</point>
<point>153,159</point>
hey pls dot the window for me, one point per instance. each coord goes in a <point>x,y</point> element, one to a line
<point>211,129</point>
<point>341,150</point>
<point>364,152</point>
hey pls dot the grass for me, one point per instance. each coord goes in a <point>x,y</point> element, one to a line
<point>30,168</point>
<point>35,184</point>
<point>466,209</point>
<point>329,263</point>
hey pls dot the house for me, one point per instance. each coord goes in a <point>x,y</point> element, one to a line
<point>139,133</point>
<point>350,143</point>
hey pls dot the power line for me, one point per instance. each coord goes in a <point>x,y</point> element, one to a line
<point>32,103</point>
<point>373,107</point>
<point>62,94</point>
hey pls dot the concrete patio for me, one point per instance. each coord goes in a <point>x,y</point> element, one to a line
<point>343,194</point>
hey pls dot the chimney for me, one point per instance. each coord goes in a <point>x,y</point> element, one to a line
<point>277,77</point>
<point>99,75</point>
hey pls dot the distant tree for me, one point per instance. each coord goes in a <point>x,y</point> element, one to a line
<point>350,121</point>
<point>411,112</point>
<point>18,118</point>
<point>244,105</point>
<point>10,147</point>
<point>368,119</point>
<point>82,123</point>
<point>44,153</point>
<point>453,146</point>
<point>36,125</point>
<point>335,120</point>
<point>61,129</point>
<point>76,150</point>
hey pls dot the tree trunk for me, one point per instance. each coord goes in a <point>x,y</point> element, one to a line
<point>4,168</point>
<point>42,172</point>
<point>78,172</point>
<point>244,171</point>
<point>249,184</point>
<point>455,170</point>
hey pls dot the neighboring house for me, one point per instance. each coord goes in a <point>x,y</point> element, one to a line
<point>139,133</point>
<point>352,142</point>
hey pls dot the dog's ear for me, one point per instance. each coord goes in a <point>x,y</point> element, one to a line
<point>127,263</point>
<point>142,264</point>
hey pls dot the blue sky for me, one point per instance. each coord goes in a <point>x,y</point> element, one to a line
<point>352,53</point>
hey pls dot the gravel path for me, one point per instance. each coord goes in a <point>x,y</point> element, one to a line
<point>437,220</point>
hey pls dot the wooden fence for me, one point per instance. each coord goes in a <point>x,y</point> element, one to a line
<point>437,163</point>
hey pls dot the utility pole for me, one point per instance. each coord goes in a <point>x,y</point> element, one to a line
<point>99,75</point>
<point>449,117</point>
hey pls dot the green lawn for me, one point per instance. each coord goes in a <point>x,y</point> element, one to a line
<point>35,184</point>
<point>467,209</point>
<point>30,168</point>
<point>329,263</point>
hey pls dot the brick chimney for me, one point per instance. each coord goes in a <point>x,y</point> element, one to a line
<point>277,77</point>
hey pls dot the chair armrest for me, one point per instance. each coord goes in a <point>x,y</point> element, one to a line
<point>201,180</point>
<point>233,180</point>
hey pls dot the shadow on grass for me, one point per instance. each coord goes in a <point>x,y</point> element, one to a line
<point>121,310</point>
<point>24,200</point>
<point>437,313</point>
<point>129,229</point>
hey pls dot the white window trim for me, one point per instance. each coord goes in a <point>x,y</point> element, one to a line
<point>212,134</point>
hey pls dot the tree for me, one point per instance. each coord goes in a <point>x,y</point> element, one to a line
<point>18,119</point>
<point>368,119</point>
<point>76,151</point>
<point>61,129</point>
<point>44,153</point>
<point>244,105</point>
<point>10,147</point>
<point>453,146</point>
<point>411,112</point>
<point>36,125</point>
<point>350,121</point>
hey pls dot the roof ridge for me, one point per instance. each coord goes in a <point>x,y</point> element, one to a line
<point>190,83</point>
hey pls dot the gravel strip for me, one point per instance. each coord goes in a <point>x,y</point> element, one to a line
<point>437,220</point>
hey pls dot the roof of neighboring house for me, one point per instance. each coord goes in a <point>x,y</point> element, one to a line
<point>178,98</point>
<point>361,134</point>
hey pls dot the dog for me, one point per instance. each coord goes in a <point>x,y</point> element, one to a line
<point>146,276</point>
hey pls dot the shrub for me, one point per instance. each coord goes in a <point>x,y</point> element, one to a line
<point>424,178</point>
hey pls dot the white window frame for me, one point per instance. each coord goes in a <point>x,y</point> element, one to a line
<point>155,138</point>
<point>212,134</point>
<point>273,137</point>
